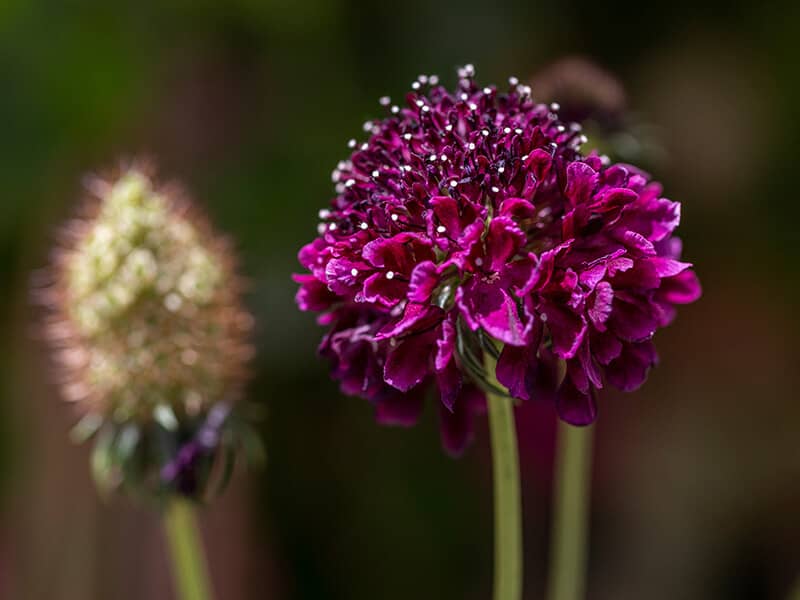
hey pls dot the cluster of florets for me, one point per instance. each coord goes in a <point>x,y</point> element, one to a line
<point>470,224</point>
<point>148,325</point>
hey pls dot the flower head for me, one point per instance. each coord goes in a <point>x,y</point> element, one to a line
<point>149,330</point>
<point>469,222</point>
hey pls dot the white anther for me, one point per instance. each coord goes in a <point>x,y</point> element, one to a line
<point>363,225</point>
<point>495,189</point>
<point>441,229</point>
<point>501,169</point>
<point>395,217</point>
<point>453,183</point>
<point>419,103</point>
<point>389,274</point>
<point>354,272</point>
<point>395,109</point>
<point>324,213</point>
<point>507,130</point>
<point>375,173</point>
<point>473,106</point>
<point>471,146</point>
<point>518,131</point>
<point>432,158</point>
<point>513,81</point>
<point>332,226</point>
<point>485,132</point>
<point>406,136</point>
<point>443,158</point>
<point>351,144</point>
<point>350,183</point>
<point>555,106</point>
<point>487,90</point>
<point>479,261</point>
<point>448,128</point>
<point>384,100</point>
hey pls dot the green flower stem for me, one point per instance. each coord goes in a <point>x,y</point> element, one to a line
<point>507,497</point>
<point>186,551</point>
<point>568,549</point>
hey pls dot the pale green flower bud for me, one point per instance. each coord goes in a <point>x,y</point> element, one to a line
<point>149,327</point>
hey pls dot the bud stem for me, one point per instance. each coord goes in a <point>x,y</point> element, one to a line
<point>568,550</point>
<point>189,567</point>
<point>507,497</point>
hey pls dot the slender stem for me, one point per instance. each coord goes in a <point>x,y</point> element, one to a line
<point>507,497</point>
<point>568,549</point>
<point>186,551</point>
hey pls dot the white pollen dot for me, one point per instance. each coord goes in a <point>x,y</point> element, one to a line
<point>426,108</point>
<point>419,103</point>
<point>479,261</point>
<point>395,217</point>
<point>443,158</point>
<point>471,146</point>
<point>555,106</point>
<point>395,109</point>
<point>501,169</point>
<point>324,213</point>
<point>351,144</point>
<point>350,182</point>
<point>518,131</point>
<point>513,81</point>
<point>389,274</point>
<point>422,79</point>
<point>507,130</point>
<point>384,100</point>
<point>453,183</point>
<point>332,226</point>
<point>433,79</point>
<point>354,272</point>
<point>473,106</point>
<point>495,189</point>
<point>375,173</point>
<point>173,302</point>
<point>367,125</point>
<point>320,230</point>
<point>583,139</point>
<point>449,128</point>
<point>363,225</point>
<point>432,157</point>
<point>415,85</point>
<point>544,317</point>
<point>406,136</point>
<point>464,97</point>
<point>484,132</point>
<point>560,128</point>
<point>525,157</point>
<point>487,90</point>
<point>441,229</point>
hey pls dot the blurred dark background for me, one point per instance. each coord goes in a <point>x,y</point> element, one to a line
<point>250,103</point>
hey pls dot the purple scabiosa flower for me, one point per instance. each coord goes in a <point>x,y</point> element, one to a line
<point>146,320</point>
<point>469,222</point>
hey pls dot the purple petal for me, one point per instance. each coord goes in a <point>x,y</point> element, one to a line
<point>408,363</point>
<point>575,407</point>
<point>581,181</point>
<point>629,370</point>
